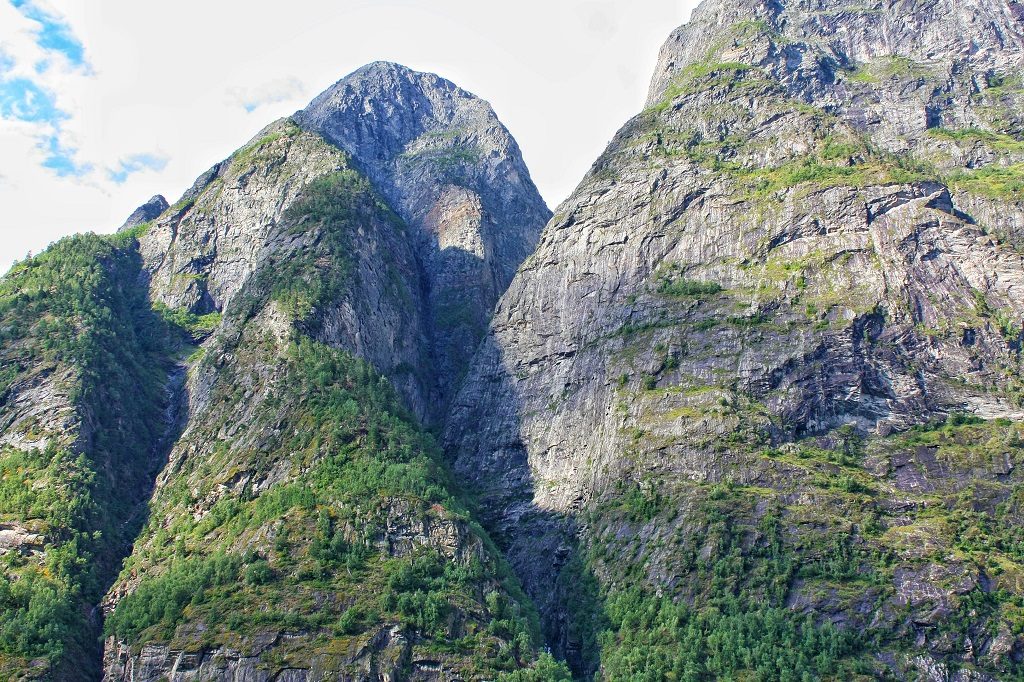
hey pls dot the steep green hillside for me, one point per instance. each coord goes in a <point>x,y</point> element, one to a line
<point>305,521</point>
<point>834,552</point>
<point>81,397</point>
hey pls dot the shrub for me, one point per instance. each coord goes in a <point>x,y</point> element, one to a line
<point>686,288</point>
<point>258,573</point>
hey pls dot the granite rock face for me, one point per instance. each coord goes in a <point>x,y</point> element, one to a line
<point>437,155</point>
<point>231,225</point>
<point>298,471</point>
<point>363,662</point>
<point>150,210</point>
<point>812,226</point>
<point>456,176</point>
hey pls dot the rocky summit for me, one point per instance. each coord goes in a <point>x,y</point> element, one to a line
<point>748,407</point>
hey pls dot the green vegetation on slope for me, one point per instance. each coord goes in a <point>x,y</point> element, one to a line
<point>330,513</point>
<point>837,161</point>
<point>672,284</point>
<point>195,326</point>
<point>334,205</point>
<point>812,575</point>
<point>967,136</point>
<point>727,619</point>
<point>364,461</point>
<point>74,321</point>
<point>837,157</point>
<point>992,181</point>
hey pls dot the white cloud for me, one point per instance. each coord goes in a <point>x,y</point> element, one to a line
<point>136,163</point>
<point>189,82</point>
<point>599,18</point>
<point>271,92</point>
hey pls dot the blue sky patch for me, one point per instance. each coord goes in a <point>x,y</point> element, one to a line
<point>61,160</point>
<point>136,163</point>
<point>54,33</point>
<point>23,100</point>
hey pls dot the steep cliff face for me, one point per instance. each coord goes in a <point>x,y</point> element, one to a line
<point>438,155</point>
<point>691,412</point>
<point>456,176</point>
<point>304,525</point>
<point>270,346</point>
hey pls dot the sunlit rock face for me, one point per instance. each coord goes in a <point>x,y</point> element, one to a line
<point>814,225</point>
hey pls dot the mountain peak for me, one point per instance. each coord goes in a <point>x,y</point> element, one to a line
<point>454,173</point>
<point>146,212</point>
<point>808,38</point>
<point>376,110</point>
<point>384,67</point>
<point>383,78</point>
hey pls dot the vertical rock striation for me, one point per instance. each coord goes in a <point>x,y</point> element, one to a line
<point>456,176</point>
<point>805,245</point>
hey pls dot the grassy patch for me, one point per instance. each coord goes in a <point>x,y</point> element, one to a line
<point>671,283</point>
<point>889,68</point>
<point>447,158</point>
<point>1000,142</point>
<point>125,237</point>
<point>700,76</point>
<point>992,181</point>
<point>335,205</point>
<point>195,326</point>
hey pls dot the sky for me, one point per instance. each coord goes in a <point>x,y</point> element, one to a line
<point>105,103</point>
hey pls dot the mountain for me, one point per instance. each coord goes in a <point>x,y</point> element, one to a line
<point>84,370</point>
<point>151,210</point>
<point>753,406</point>
<point>440,159</point>
<point>747,407</point>
<point>456,177</point>
<point>233,393</point>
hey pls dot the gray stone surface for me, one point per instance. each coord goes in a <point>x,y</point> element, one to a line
<point>844,302</point>
<point>148,211</point>
<point>438,155</point>
<point>456,176</point>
